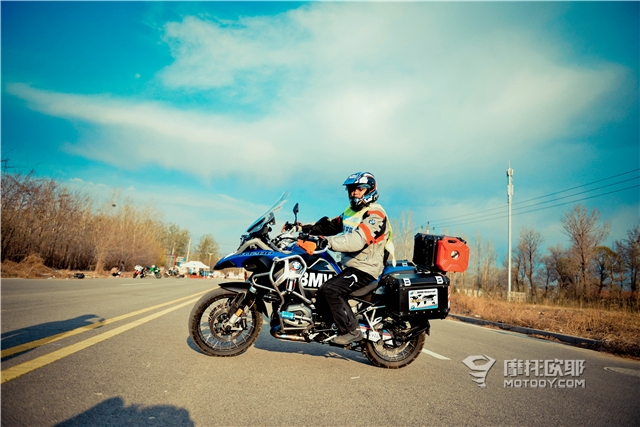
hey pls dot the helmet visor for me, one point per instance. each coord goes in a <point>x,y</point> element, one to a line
<point>351,187</point>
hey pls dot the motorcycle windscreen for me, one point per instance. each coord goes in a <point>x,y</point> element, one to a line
<point>268,215</point>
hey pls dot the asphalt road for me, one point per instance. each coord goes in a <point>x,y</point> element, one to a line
<point>138,367</point>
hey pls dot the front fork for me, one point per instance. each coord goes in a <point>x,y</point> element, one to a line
<point>242,302</point>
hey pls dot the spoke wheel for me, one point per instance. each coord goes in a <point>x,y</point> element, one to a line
<point>212,334</point>
<point>386,355</point>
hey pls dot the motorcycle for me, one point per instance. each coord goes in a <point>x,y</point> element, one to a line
<point>173,271</point>
<point>140,271</point>
<point>155,271</point>
<point>286,272</point>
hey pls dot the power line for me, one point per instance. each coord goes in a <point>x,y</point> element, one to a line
<point>452,221</point>
<point>579,200</point>
<point>542,197</point>
<point>584,185</point>
<point>456,223</point>
<point>577,194</point>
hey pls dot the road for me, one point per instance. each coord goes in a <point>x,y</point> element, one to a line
<point>115,352</point>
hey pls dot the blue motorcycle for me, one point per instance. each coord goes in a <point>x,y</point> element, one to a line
<point>286,272</point>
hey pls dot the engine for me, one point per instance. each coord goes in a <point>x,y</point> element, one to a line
<point>293,314</point>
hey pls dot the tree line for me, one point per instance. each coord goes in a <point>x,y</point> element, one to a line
<point>586,269</point>
<point>583,270</point>
<point>70,230</point>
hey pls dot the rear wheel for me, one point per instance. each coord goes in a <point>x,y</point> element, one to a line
<point>391,354</point>
<point>210,330</point>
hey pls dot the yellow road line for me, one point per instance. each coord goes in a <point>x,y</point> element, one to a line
<point>18,370</point>
<point>46,340</point>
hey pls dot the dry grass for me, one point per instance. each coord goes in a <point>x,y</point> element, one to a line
<point>32,267</point>
<point>619,331</point>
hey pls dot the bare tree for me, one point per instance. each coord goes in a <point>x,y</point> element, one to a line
<point>605,262</point>
<point>124,232</point>
<point>630,254</point>
<point>403,232</point>
<point>563,271</point>
<point>585,235</point>
<point>207,249</point>
<point>530,257</point>
<point>618,269</point>
<point>483,265</point>
<point>547,275</point>
<point>40,217</point>
<point>176,240</point>
<point>517,272</point>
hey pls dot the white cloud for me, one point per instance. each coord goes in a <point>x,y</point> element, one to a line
<point>375,83</point>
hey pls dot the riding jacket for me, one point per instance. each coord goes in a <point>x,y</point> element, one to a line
<point>361,236</point>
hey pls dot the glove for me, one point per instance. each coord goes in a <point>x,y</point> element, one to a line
<point>288,226</point>
<point>322,242</point>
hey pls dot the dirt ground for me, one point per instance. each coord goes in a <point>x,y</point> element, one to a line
<point>617,330</point>
<point>32,267</point>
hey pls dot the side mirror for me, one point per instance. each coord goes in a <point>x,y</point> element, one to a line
<point>295,213</point>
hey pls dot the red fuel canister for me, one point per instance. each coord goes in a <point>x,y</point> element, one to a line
<point>453,254</point>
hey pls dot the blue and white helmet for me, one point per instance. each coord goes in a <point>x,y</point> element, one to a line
<point>363,180</point>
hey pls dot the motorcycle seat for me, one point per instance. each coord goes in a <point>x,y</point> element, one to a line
<point>365,289</point>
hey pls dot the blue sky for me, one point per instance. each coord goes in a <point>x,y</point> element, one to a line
<point>211,110</point>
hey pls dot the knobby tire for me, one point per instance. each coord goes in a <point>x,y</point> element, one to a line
<point>207,315</point>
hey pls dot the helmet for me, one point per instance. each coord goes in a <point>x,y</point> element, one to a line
<point>361,179</point>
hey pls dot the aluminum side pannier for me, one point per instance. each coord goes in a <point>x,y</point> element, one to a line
<point>413,294</point>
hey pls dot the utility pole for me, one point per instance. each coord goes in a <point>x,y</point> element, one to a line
<point>509,197</point>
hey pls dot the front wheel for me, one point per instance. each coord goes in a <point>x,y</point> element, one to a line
<point>210,329</point>
<point>388,353</point>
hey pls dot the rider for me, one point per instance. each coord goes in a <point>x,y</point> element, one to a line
<point>361,233</point>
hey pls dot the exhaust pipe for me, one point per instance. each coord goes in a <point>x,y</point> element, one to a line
<point>276,333</point>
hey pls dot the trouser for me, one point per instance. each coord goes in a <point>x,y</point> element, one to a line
<point>332,296</point>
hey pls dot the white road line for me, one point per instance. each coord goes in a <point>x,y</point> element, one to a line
<point>436,355</point>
